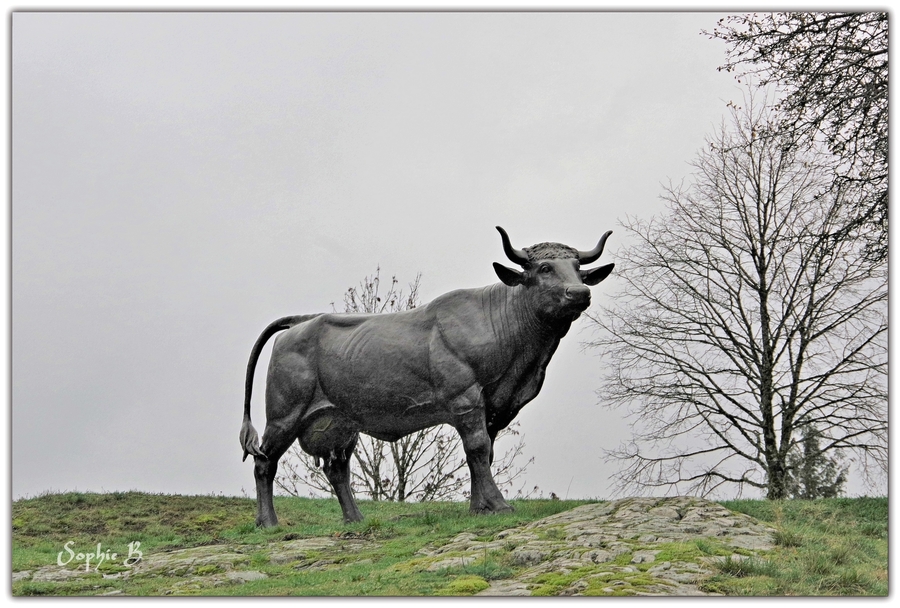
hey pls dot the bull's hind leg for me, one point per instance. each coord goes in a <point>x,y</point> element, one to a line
<point>276,440</point>
<point>337,470</point>
<point>290,388</point>
<point>332,437</point>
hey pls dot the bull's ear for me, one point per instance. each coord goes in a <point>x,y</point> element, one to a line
<point>595,275</point>
<point>508,275</point>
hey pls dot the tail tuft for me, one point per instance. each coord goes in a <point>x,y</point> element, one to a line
<point>250,441</point>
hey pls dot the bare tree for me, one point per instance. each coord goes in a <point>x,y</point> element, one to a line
<point>427,465</point>
<point>742,320</point>
<point>833,70</point>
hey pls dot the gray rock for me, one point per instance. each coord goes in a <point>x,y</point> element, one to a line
<point>752,542</point>
<point>55,574</point>
<point>187,561</point>
<point>592,540</point>
<point>575,588</point>
<point>245,576</point>
<point>526,555</point>
<point>665,512</point>
<point>294,550</point>
<point>642,557</point>
<point>286,557</point>
<point>678,578</point>
<point>509,587</point>
<point>317,566</point>
<point>598,556</point>
<point>450,562</point>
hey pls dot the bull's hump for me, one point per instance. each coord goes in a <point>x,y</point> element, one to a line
<point>474,327</point>
<point>466,310</point>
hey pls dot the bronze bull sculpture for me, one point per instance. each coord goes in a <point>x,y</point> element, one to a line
<point>472,358</point>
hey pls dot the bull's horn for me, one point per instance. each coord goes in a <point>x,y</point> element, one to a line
<point>515,255</point>
<point>586,257</point>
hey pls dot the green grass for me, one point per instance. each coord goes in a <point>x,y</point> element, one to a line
<point>829,546</point>
<point>824,547</point>
<point>465,585</point>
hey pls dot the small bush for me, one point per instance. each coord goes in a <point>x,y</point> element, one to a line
<point>705,546</point>
<point>788,538</point>
<point>465,585</point>
<point>745,567</point>
<point>817,563</point>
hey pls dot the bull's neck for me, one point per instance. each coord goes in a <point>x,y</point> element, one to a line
<point>519,323</point>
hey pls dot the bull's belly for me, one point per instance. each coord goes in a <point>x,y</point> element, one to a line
<point>325,427</point>
<point>392,419</point>
<point>391,430</point>
<point>386,410</point>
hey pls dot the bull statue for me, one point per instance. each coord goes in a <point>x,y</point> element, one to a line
<point>472,358</point>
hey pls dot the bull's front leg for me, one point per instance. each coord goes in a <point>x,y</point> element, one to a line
<point>486,496</point>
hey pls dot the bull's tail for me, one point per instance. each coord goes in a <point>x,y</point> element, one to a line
<point>249,437</point>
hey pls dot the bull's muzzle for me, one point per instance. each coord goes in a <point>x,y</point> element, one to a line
<point>579,296</point>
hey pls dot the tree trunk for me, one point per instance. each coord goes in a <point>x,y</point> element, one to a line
<point>777,485</point>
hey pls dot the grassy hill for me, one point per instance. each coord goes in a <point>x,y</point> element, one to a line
<point>824,547</point>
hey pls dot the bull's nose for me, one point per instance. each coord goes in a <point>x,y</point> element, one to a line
<point>580,294</point>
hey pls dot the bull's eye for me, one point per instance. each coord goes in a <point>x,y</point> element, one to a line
<point>544,268</point>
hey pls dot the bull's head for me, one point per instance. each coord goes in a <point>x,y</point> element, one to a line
<point>558,287</point>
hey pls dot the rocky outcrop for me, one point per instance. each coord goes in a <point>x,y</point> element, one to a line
<point>634,546</point>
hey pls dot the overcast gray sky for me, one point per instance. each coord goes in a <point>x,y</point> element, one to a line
<point>182,179</point>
